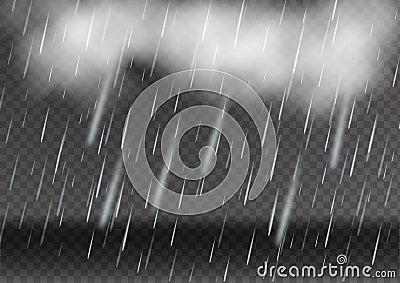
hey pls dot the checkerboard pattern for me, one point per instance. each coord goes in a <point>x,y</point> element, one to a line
<point>48,233</point>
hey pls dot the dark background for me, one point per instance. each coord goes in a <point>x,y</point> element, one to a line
<point>30,247</point>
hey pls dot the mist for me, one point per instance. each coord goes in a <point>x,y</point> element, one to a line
<point>325,51</point>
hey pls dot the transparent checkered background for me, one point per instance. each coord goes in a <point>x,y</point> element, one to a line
<point>63,252</point>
